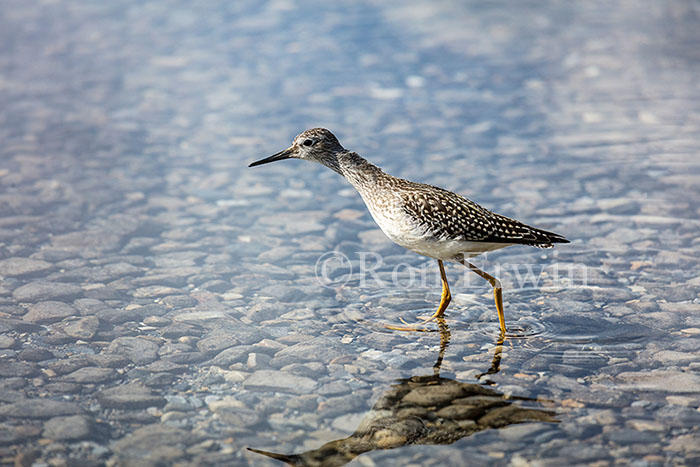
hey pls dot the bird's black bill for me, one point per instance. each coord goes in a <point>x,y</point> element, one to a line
<point>286,154</point>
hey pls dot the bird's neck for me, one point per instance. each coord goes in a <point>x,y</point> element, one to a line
<point>361,173</point>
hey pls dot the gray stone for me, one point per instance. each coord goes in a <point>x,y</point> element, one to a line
<point>91,374</point>
<point>16,434</point>
<point>49,312</point>
<point>12,267</point>
<point>129,396</point>
<point>279,381</point>
<point>7,342</point>
<point>108,360</point>
<point>661,380</point>
<point>216,285</point>
<point>10,369</point>
<point>179,301</point>
<point>88,243</point>
<point>35,354</point>
<point>40,408</point>
<point>200,316</point>
<point>232,355</point>
<point>70,428</point>
<point>185,357</point>
<point>68,365</point>
<point>239,417</point>
<point>44,290</point>
<point>283,293</point>
<point>157,321</point>
<point>154,291</point>
<point>257,361</point>
<point>155,444</point>
<point>216,341</point>
<point>164,366</point>
<point>320,349</point>
<point>10,324</point>
<point>137,349</point>
<point>80,328</point>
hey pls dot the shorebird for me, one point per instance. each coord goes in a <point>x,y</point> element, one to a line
<point>425,219</point>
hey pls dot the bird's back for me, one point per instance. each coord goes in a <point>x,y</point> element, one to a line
<point>433,221</point>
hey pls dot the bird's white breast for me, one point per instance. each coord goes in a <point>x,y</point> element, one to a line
<point>405,231</point>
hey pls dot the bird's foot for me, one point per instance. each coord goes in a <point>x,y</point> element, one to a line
<point>408,328</point>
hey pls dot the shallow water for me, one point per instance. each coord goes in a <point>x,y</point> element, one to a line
<point>162,303</point>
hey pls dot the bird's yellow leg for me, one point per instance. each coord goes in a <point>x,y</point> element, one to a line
<point>497,293</point>
<point>445,299</point>
<point>445,296</point>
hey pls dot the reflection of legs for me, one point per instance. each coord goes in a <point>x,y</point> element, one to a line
<point>444,342</point>
<point>496,362</point>
<point>497,294</point>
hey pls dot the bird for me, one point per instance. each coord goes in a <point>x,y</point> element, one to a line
<point>425,219</point>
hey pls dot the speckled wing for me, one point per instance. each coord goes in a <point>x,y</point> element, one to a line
<point>446,215</point>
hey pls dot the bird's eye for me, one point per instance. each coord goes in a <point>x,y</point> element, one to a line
<point>307,142</point>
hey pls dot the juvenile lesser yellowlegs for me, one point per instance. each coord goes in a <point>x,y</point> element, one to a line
<point>422,218</point>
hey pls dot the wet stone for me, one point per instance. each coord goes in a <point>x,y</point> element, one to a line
<point>62,387</point>
<point>283,293</point>
<point>10,324</point>
<point>80,328</point>
<point>232,355</point>
<point>154,444</point>
<point>9,369</point>
<point>39,408</point>
<point>268,380</point>
<point>14,434</point>
<point>7,342</point>
<point>265,311</point>
<point>160,380</point>
<point>35,355</point>
<point>185,358</point>
<point>157,321</point>
<point>104,293</point>
<point>179,301</point>
<point>216,341</point>
<point>662,380</point>
<point>91,375</point>
<point>311,369</point>
<point>90,243</point>
<point>164,366</point>
<point>137,349</point>
<point>49,312</point>
<point>129,397</point>
<point>628,436</point>
<point>155,291</point>
<point>216,285</point>
<point>319,349</point>
<point>178,330</point>
<point>70,428</point>
<point>12,267</point>
<point>257,361</point>
<point>108,360</point>
<point>68,365</point>
<point>43,290</point>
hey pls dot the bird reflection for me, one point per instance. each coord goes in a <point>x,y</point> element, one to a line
<point>423,410</point>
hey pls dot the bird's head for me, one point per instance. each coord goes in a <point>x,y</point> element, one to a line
<point>316,145</point>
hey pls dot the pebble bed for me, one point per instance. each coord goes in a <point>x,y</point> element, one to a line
<point>159,301</point>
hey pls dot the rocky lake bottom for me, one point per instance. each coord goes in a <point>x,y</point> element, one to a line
<point>163,304</point>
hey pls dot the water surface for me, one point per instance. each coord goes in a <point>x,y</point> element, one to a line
<point>159,301</point>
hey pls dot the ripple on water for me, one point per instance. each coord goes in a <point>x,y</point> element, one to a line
<point>531,320</point>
